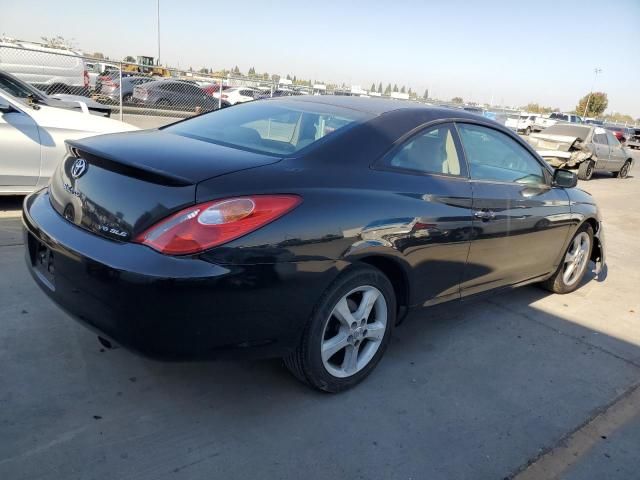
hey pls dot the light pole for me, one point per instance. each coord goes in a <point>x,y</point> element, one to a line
<point>158,16</point>
<point>596,71</point>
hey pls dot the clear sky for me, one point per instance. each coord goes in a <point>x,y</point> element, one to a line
<point>514,52</point>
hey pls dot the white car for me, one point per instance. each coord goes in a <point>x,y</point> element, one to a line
<point>32,140</point>
<point>239,94</point>
<point>521,123</point>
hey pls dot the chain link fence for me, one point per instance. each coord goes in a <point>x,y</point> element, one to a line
<point>148,95</point>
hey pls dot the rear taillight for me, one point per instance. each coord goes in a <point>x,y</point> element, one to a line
<point>211,224</point>
<point>86,79</point>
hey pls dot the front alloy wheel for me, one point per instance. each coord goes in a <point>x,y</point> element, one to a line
<point>348,331</point>
<point>576,259</point>
<point>574,264</point>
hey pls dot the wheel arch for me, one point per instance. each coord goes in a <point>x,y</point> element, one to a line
<point>397,274</point>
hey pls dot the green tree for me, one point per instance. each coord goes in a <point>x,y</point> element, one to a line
<point>597,104</point>
<point>204,70</point>
<point>99,55</point>
<point>288,77</point>
<point>129,59</point>
<point>426,93</point>
<point>373,87</point>
<point>236,70</point>
<point>380,87</point>
<point>387,90</point>
<point>395,87</point>
<point>294,79</point>
<point>276,78</point>
<point>403,89</point>
<point>457,100</point>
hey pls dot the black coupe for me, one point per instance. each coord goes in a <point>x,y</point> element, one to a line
<point>301,227</point>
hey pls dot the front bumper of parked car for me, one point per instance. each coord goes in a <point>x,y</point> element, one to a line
<point>166,306</point>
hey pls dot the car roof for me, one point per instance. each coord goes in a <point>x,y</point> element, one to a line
<point>376,106</point>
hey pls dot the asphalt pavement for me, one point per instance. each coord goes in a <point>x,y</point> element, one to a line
<point>509,385</point>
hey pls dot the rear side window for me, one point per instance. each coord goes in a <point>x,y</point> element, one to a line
<point>267,127</point>
<point>431,151</point>
<point>494,156</point>
<point>600,138</point>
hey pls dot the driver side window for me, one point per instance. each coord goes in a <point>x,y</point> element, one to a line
<point>494,156</point>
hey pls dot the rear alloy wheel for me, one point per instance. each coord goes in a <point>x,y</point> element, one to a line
<point>348,333</point>
<point>127,98</point>
<point>574,264</point>
<point>585,170</point>
<point>624,171</point>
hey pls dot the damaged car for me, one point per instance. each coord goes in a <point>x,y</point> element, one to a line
<point>585,148</point>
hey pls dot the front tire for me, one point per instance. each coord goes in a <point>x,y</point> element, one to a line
<point>348,332</point>
<point>574,264</point>
<point>585,170</point>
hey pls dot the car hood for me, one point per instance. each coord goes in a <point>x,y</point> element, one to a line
<point>64,119</point>
<point>544,141</point>
<point>74,100</point>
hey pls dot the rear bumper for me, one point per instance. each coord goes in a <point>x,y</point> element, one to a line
<point>170,307</point>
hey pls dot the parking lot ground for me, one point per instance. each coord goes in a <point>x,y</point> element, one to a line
<point>486,389</point>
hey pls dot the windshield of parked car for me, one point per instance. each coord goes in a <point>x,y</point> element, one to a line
<point>269,127</point>
<point>568,130</point>
<point>18,89</point>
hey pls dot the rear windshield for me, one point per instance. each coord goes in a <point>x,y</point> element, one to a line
<point>269,127</point>
<point>568,130</point>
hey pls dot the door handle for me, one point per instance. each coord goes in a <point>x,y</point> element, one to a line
<point>484,215</point>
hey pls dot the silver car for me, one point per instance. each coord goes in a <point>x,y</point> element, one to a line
<point>586,148</point>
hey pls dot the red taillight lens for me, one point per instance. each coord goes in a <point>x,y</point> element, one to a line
<point>210,224</point>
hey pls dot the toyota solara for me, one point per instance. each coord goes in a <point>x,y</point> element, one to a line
<point>303,228</point>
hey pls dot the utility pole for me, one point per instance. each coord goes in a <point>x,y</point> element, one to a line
<point>158,16</point>
<point>596,71</point>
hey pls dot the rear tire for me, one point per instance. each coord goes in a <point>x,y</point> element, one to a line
<point>527,132</point>
<point>585,170</point>
<point>348,331</point>
<point>574,263</point>
<point>127,98</point>
<point>624,171</point>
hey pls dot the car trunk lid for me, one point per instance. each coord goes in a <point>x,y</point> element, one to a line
<point>118,185</point>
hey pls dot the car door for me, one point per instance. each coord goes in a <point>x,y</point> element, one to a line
<point>617,155</point>
<point>20,146</point>
<point>601,148</point>
<point>434,229</point>
<point>520,221</point>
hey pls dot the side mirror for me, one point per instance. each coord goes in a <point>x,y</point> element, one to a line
<point>6,107</point>
<point>564,178</point>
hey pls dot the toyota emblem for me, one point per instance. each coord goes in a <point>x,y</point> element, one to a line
<point>78,168</point>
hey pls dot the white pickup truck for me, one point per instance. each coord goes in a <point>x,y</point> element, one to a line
<point>521,123</point>
<point>545,121</point>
